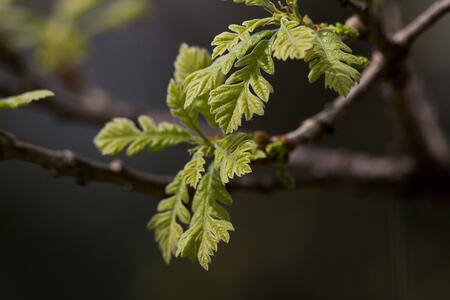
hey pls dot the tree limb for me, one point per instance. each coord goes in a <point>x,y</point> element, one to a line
<point>316,126</point>
<point>423,22</point>
<point>318,169</point>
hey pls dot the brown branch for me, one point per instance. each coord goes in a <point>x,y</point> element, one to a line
<point>417,122</point>
<point>317,168</point>
<point>66,163</point>
<point>422,23</point>
<point>316,126</point>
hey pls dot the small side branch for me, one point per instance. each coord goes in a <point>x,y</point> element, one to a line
<point>316,126</point>
<point>423,22</point>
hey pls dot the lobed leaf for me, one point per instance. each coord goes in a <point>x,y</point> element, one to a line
<point>165,223</point>
<point>332,58</point>
<point>24,99</point>
<point>293,40</point>
<point>245,91</point>
<point>192,172</point>
<point>189,60</point>
<point>121,134</point>
<point>210,222</point>
<point>226,41</point>
<point>234,154</point>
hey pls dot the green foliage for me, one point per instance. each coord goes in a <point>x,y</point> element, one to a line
<point>293,40</point>
<point>167,230</point>
<point>225,88</point>
<point>332,58</point>
<point>342,30</point>
<point>24,99</point>
<point>189,60</point>
<point>192,172</point>
<point>60,39</point>
<point>121,134</point>
<point>233,156</point>
<point>210,223</point>
<point>245,91</point>
<point>226,41</point>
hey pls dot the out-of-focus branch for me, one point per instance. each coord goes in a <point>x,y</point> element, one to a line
<point>424,21</point>
<point>383,62</point>
<point>418,124</point>
<point>92,106</point>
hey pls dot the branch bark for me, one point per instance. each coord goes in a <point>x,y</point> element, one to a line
<point>318,168</point>
<point>423,22</point>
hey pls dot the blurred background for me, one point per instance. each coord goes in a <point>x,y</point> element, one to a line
<point>62,241</point>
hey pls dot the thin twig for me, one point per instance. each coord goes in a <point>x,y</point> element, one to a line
<point>423,22</point>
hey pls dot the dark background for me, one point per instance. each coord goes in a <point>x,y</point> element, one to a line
<point>62,241</point>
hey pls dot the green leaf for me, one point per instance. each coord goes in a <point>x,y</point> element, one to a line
<point>24,99</point>
<point>293,40</point>
<point>342,30</point>
<point>176,98</point>
<point>226,41</point>
<point>210,223</point>
<point>189,60</point>
<point>269,6</point>
<point>192,172</point>
<point>234,154</point>
<point>167,230</point>
<point>332,58</point>
<point>122,133</point>
<point>202,82</point>
<point>245,91</point>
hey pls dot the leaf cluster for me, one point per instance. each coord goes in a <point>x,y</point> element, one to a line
<point>223,89</point>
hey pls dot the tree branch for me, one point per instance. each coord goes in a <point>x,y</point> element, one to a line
<point>66,163</point>
<point>316,126</point>
<point>423,22</point>
<point>318,169</point>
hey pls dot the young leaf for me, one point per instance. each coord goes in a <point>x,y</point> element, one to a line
<point>189,60</point>
<point>176,98</point>
<point>228,40</point>
<point>269,6</point>
<point>24,99</point>
<point>192,172</point>
<point>293,40</point>
<point>122,133</point>
<point>233,156</point>
<point>203,81</point>
<point>330,56</point>
<point>245,91</point>
<point>167,230</point>
<point>210,223</point>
